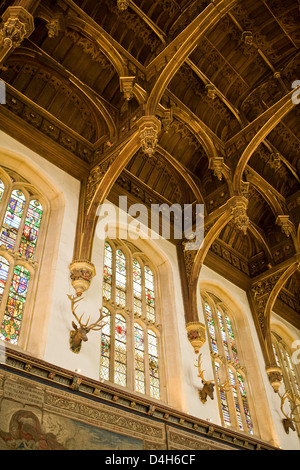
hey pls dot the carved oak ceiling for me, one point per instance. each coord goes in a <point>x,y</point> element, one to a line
<point>217,75</point>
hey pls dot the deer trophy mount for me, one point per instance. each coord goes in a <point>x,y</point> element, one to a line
<point>80,332</point>
<point>208,385</point>
<point>289,421</point>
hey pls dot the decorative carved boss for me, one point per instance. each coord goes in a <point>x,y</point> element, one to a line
<point>18,24</point>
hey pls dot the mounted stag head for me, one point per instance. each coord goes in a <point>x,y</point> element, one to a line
<point>80,332</point>
<point>289,421</point>
<point>208,385</point>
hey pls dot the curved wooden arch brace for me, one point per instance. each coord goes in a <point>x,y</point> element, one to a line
<point>208,17</point>
<point>104,43</point>
<point>199,259</point>
<point>276,204</point>
<point>95,106</point>
<point>280,109</point>
<point>182,172</point>
<point>197,129</point>
<point>103,189</point>
<point>269,306</point>
<point>261,239</point>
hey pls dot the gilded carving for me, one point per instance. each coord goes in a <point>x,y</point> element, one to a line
<point>81,273</point>
<point>196,335</point>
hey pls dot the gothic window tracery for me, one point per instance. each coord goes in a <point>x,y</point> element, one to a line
<point>21,216</point>
<point>130,342</point>
<point>230,375</point>
<point>290,373</point>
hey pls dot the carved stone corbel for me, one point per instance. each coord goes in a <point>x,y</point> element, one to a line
<point>55,26</point>
<point>275,161</point>
<point>18,24</point>
<point>287,227</point>
<point>82,273</point>
<point>122,5</point>
<point>167,119</point>
<point>239,212</point>
<point>217,165</point>
<point>148,130</point>
<point>211,91</point>
<point>275,377</point>
<point>196,335</point>
<point>126,87</point>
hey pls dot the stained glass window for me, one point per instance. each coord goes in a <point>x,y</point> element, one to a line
<point>107,274</point>
<point>223,398</point>
<point>120,369</point>
<point>4,269</point>
<point>211,327</point>
<point>149,292</point>
<point>128,291</point>
<point>137,287</point>
<point>139,358</point>
<point>12,219</point>
<point>13,314</point>
<point>233,401</point>
<point>236,399</point>
<point>153,364</point>
<point>120,278</point>
<point>245,403</point>
<point>31,229</point>
<point>224,338</point>
<point>22,215</point>
<point>105,346</point>
<point>231,338</point>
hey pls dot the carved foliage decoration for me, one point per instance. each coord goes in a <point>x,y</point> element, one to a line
<point>261,291</point>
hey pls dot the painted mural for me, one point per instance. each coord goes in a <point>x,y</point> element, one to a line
<point>59,433</point>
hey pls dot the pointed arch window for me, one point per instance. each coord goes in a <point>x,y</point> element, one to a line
<point>120,278</point>
<point>290,374</point>
<point>133,357</point>
<point>229,373</point>
<point>120,369</point>
<point>139,358</point>
<point>149,292</point>
<point>107,274</point>
<point>105,356</point>
<point>21,217</point>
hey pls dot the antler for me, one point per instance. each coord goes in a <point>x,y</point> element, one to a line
<point>201,372</point>
<point>93,326</point>
<point>74,300</point>
<point>97,325</point>
<point>289,421</point>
